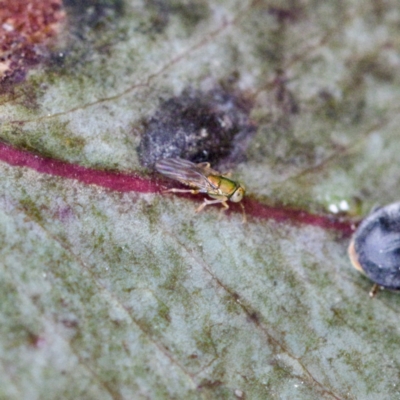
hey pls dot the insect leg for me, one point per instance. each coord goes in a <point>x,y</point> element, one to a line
<point>225,207</point>
<point>208,202</point>
<point>374,290</point>
<point>244,219</point>
<point>193,191</point>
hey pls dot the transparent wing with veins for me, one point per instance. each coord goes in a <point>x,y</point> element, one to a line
<point>188,173</point>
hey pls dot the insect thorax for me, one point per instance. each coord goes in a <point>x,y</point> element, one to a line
<point>224,185</point>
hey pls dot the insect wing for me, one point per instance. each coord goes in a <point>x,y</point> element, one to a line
<point>186,172</point>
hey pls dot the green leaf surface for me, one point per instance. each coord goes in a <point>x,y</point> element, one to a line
<point>108,294</point>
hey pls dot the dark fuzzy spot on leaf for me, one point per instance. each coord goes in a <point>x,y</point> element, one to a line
<point>212,126</point>
<point>190,14</point>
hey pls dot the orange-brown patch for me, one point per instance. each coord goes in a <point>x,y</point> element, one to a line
<point>26,27</point>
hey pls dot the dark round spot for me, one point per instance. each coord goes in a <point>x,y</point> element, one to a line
<point>377,245</point>
<point>199,126</point>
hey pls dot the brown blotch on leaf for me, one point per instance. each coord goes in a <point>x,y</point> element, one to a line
<point>208,384</point>
<point>26,28</point>
<point>284,14</point>
<point>35,340</point>
<point>190,14</point>
<point>254,317</point>
<point>211,126</point>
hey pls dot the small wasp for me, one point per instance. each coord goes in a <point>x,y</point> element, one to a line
<point>202,179</point>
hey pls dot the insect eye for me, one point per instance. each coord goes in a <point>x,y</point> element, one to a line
<point>238,195</point>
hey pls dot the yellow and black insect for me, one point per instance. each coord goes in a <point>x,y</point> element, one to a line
<point>202,179</point>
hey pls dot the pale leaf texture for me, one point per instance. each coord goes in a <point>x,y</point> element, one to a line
<point>109,293</point>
